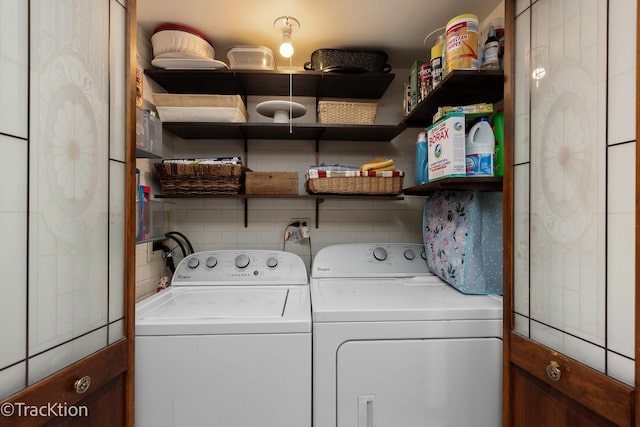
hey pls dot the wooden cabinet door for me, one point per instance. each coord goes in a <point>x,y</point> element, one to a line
<point>57,401</point>
<point>76,365</point>
<point>568,358</point>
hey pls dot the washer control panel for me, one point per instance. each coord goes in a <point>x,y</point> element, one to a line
<point>235,267</point>
<point>370,260</point>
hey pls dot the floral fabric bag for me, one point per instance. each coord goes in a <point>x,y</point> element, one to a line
<point>462,233</point>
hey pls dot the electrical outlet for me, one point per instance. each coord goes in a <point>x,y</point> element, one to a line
<point>151,249</point>
<point>302,221</point>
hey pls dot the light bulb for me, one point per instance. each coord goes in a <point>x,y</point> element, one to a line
<point>286,49</point>
<point>286,24</point>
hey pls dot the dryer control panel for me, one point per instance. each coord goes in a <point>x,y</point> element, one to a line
<point>236,267</point>
<point>371,260</point>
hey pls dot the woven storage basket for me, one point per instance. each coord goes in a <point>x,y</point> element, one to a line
<point>353,113</point>
<point>179,178</point>
<point>356,184</point>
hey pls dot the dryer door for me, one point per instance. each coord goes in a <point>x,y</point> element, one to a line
<point>435,382</point>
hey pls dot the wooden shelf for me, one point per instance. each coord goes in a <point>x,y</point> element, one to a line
<point>453,184</point>
<point>318,198</point>
<point>273,83</point>
<point>144,154</point>
<point>461,87</point>
<point>279,83</point>
<point>309,131</point>
<point>283,196</point>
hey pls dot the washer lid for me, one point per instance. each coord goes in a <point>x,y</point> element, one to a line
<point>225,310</point>
<point>397,299</point>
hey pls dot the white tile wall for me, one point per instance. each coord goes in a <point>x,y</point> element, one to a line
<point>13,67</point>
<point>149,267</point>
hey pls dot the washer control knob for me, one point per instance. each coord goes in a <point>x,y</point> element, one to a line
<point>211,262</point>
<point>380,253</point>
<point>242,261</point>
<point>193,262</point>
<point>272,262</point>
<point>423,254</point>
<point>408,254</point>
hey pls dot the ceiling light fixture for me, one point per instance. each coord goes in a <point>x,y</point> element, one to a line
<point>286,24</point>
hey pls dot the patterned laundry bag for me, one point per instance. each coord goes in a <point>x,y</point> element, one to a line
<point>462,232</point>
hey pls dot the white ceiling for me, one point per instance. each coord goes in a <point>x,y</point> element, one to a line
<point>397,27</point>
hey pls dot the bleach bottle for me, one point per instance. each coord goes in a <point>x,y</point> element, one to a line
<point>421,159</point>
<point>480,149</point>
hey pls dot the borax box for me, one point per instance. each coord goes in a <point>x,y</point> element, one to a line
<point>445,138</point>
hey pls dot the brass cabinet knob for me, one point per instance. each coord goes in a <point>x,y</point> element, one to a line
<point>553,371</point>
<point>82,384</point>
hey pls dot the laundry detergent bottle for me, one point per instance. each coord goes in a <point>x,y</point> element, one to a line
<point>498,131</point>
<point>480,149</point>
<point>421,159</point>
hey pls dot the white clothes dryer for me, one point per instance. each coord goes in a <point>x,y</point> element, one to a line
<point>393,345</point>
<point>227,344</point>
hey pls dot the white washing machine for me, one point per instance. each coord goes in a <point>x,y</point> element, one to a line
<point>227,344</point>
<point>393,345</point>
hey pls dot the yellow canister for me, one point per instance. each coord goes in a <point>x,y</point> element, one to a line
<point>461,43</point>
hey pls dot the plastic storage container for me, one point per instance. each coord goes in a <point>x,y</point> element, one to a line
<point>250,58</point>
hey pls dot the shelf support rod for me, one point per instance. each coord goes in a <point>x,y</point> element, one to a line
<point>318,201</point>
<point>246,151</point>
<point>245,202</point>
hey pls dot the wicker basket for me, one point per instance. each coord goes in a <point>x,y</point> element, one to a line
<point>356,184</point>
<point>182,179</point>
<point>353,113</point>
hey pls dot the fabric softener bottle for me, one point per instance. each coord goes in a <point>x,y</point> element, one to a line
<point>421,159</point>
